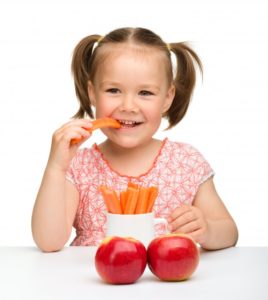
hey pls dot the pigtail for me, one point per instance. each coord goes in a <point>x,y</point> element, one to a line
<point>81,65</point>
<point>184,81</point>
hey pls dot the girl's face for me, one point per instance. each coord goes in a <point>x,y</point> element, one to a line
<point>131,86</point>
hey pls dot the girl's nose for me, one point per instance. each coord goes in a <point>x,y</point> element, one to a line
<point>129,105</point>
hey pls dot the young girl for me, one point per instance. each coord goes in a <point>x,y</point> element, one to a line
<point>128,75</point>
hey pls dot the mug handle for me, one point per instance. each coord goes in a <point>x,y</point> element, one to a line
<point>161,221</point>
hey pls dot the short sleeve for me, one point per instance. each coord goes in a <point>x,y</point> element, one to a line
<point>185,171</point>
<point>198,168</point>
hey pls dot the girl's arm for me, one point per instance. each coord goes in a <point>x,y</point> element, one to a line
<point>54,211</point>
<point>57,199</point>
<point>207,220</point>
<point>222,231</point>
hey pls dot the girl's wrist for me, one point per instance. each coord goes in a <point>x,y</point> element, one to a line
<point>53,168</point>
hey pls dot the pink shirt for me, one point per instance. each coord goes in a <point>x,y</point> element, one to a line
<point>177,171</point>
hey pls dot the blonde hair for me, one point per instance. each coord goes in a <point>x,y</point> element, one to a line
<point>87,56</point>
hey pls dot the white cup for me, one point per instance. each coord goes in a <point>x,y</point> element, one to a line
<point>138,226</point>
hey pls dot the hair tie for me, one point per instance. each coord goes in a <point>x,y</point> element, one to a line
<point>100,39</point>
<point>168,46</point>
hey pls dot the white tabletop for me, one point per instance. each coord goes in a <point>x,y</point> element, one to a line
<point>27,273</point>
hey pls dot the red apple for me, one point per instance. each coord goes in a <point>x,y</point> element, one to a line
<point>173,257</point>
<point>120,260</point>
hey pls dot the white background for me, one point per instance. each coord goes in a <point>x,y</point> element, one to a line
<point>227,120</point>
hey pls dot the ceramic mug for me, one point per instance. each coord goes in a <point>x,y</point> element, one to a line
<point>138,226</point>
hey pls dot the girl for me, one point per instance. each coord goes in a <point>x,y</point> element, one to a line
<point>127,75</point>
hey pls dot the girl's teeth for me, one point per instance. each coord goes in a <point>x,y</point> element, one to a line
<point>128,123</point>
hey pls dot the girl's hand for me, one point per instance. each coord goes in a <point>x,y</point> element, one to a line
<point>62,151</point>
<point>189,220</point>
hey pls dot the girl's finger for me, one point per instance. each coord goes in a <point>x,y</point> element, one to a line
<point>75,132</point>
<point>80,139</point>
<point>183,219</point>
<point>85,123</point>
<point>188,228</point>
<point>178,212</point>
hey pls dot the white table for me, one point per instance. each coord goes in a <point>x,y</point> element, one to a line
<point>27,273</point>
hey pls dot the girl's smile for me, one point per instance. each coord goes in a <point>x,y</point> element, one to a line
<point>126,124</point>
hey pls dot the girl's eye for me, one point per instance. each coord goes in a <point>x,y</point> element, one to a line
<point>113,91</point>
<point>145,93</point>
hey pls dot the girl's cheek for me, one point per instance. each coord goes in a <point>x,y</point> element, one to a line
<point>101,108</point>
<point>106,104</point>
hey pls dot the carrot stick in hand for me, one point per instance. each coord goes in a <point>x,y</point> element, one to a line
<point>105,122</point>
<point>99,123</point>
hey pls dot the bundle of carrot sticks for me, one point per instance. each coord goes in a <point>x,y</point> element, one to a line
<point>134,200</point>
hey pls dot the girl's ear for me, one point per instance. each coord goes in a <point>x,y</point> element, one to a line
<point>169,98</point>
<point>91,93</point>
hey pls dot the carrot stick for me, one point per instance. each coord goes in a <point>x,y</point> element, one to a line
<point>153,192</point>
<point>111,200</point>
<point>105,122</point>
<point>123,201</point>
<point>133,185</point>
<point>142,202</point>
<point>132,198</point>
<point>99,123</point>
